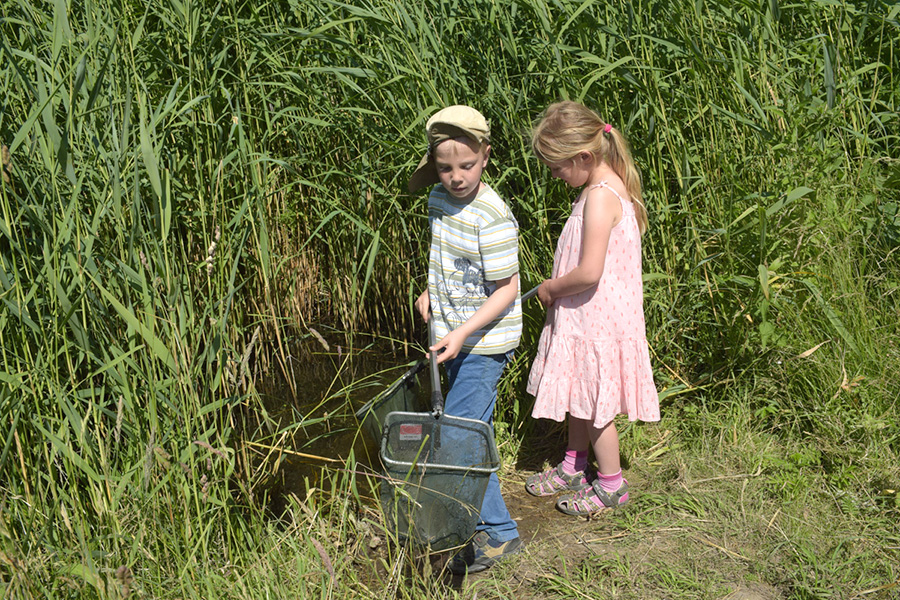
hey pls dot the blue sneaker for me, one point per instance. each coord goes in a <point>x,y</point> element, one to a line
<point>481,553</point>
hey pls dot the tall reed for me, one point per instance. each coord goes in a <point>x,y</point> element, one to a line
<point>189,185</point>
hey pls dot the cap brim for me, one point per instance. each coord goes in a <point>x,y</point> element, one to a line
<point>425,174</point>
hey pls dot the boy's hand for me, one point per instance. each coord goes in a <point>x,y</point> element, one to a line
<point>423,304</point>
<point>452,343</point>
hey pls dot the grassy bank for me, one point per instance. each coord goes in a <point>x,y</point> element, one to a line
<point>193,190</point>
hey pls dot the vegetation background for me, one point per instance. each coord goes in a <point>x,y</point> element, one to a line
<point>191,190</point>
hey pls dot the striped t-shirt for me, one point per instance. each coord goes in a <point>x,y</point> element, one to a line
<point>473,245</point>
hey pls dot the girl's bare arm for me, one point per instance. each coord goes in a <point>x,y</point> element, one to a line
<point>602,212</point>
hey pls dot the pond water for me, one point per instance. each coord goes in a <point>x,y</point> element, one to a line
<point>317,426</point>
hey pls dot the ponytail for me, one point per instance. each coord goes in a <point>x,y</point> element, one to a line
<point>618,157</point>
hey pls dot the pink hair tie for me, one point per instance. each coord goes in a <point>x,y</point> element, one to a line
<point>607,128</point>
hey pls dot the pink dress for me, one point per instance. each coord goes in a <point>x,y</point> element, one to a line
<point>592,360</point>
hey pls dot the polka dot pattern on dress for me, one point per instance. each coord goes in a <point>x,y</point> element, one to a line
<point>593,361</point>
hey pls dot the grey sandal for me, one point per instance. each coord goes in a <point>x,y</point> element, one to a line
<point>555,480</point>
<point>593,499</point>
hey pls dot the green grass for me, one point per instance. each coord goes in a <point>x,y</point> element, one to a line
<point>721,506</point>
<point>195,193</point>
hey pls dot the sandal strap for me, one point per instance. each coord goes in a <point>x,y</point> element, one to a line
<point>581,503</point>
<point>546,478</point>
<point>561,473</point>
<point>548,475</point>
<point>609,500</point>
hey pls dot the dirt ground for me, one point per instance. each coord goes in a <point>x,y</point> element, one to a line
<point>556,544</point>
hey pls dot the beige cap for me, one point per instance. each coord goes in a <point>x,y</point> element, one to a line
<point>451,122</point>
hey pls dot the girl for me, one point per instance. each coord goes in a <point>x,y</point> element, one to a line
<point>592,360</point>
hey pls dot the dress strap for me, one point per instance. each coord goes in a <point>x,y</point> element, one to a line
<point>627,207</point>
<point>604,184</point>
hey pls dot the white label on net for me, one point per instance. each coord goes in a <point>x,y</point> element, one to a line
<point>410,432</point>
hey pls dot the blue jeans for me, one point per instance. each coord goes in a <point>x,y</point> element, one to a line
<point>472,394</point>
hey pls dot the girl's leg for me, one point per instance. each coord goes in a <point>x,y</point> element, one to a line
<point>576,458</point>
<point>569,475</point>
<point>609,490</point>
<point>579,434</point>
<point>606,447</point>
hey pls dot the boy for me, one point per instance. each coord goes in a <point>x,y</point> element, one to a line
<point>473,291</point>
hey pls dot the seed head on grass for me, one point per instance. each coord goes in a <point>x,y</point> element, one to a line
<point>6,164</point>
<point>326,561</point>
<point>320,339</point>
<point>211,251</point>
<point>123,575</point>
<point>209,447</point>
<point>120,411</point>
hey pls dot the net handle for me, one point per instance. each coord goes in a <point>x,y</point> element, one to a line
<point>529,294</point>
<point>437,397</point>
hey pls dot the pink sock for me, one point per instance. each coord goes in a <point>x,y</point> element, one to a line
<point>610,483</point>
<point>574,461</point>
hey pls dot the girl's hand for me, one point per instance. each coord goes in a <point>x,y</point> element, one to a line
<point>452,343</point>
<point>543,293</point>
<point>423,304</point>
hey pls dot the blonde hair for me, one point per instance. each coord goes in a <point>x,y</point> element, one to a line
<point>568,128</point>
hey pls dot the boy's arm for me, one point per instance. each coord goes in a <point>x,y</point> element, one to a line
<point>423,303</point>
<point>505,294</point>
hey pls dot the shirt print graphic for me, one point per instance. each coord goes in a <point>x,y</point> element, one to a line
<point>470,291</point>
